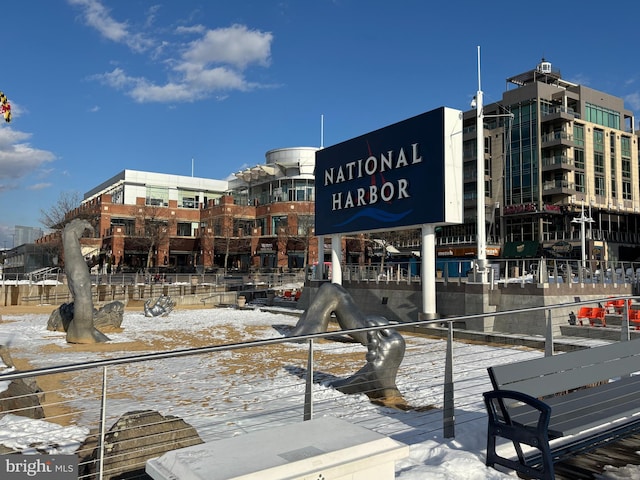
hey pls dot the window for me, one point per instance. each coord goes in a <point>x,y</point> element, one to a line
<point>184,229</point>
<point>598,163</point>
<point>626,168</point>
<point>613,188</point>
<point>625,152</point>
<point>469,149</point>
<point>117,195</point>
<point>598,140</point>
<point>188,199</point>
<point>578,156</point>
<point>598,151</point>
<point>157,197</point>
<point>578,135</point>
<point>580,185</point>
<point>469,191</point>
<point>243,227</point>
<point>126,225</point>
<point>306,224</point>
<point>625,146</point>
<point>279,225</point>
<point>612,145</point>
<point>602,116</point>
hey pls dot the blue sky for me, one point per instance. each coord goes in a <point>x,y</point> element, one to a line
<point>97,86</point>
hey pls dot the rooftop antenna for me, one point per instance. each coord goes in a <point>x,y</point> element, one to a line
<point>322,131</point>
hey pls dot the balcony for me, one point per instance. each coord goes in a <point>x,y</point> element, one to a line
<point>560,113</point>
<point>556,139</point>
<point>557,162</point>
<point>558,187</point>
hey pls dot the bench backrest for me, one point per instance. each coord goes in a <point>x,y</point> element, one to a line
<point>549,375</point>
<point>584,312</point>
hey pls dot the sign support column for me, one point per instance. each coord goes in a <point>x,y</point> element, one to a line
<point>428,254</point>
<point>320,265</point>
<point>336,259</point>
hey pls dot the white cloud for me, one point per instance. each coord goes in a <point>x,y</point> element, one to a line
<point>236,45</point>
<point>95,15</point>
<point>580,79</point>
<point>170,92</point>
<point>212,65</point>
<point>633,99</point>
<point>189,30</point>
<point>40,186</point>
<point>17,157</point>
<point>217,78</point>
<point>115,79</point>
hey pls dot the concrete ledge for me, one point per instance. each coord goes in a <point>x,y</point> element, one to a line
<point>326,448</point>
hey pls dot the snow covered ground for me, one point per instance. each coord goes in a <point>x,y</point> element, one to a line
<point>218,395</point>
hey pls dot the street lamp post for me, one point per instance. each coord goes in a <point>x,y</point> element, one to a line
<point>481,229</point>
<point>583,220</point>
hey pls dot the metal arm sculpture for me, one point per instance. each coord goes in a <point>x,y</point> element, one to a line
<point>81,328</point>
<point>385,347</point>
<point>161,308</point>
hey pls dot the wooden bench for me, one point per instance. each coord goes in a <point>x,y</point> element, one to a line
<point>563,405</point>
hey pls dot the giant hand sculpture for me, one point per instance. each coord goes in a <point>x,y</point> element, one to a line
<point>161,308</point>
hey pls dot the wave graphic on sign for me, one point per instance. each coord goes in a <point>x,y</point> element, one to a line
<point>375,214</point>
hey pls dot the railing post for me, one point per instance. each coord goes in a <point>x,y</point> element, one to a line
<point>449,409</point>
<point>308,391</point>
<point>548,343</point>
<point>624,329</point>
<point>103,416</point>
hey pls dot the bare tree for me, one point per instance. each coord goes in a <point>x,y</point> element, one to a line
<point>153,229</point>
<point>223,231</point>
<point>301,230</point>
<point>232,225</point>
<point>66,208</point>
<point>207,243</point>
<point>57,216</point>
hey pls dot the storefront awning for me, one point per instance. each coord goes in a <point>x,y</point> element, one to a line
<point>255,173</point>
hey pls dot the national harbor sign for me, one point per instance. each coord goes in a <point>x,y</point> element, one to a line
<point>400,176</point>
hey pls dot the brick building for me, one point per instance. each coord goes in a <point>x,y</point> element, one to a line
<point>262,218</point>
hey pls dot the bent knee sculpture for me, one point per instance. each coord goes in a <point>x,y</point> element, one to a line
<point>385,347</point>
<point>81,328</point>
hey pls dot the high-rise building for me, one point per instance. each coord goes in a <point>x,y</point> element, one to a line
<point>26,235</point>
<point>555,152</point>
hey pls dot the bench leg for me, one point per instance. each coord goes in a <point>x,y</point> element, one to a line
<point>499,425</point>
<point>542,468</point>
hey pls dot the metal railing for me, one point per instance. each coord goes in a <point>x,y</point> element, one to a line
<point>501,271</point>
<point>231,388</point>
